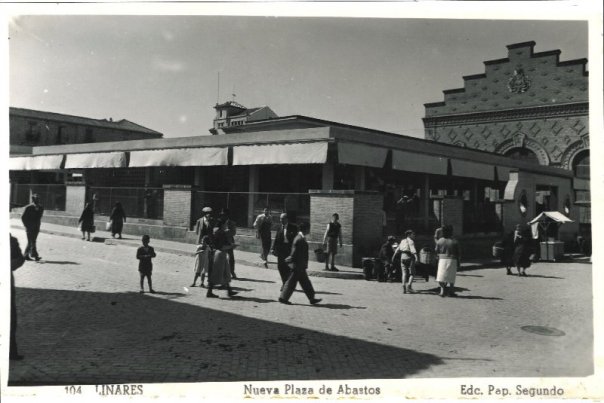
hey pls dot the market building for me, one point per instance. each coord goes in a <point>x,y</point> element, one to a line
<point>529,106</point>
<point>309,168</point>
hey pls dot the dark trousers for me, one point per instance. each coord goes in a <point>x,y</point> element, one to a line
<point>13,319</point>
<point>297,276</point>
<point>231,258</point>
<point>283,269</point>
<point>30,249</point>
<point>266,245</point>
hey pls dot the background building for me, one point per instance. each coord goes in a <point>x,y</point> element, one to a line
<point>31,128</point>
<point>231,114</point>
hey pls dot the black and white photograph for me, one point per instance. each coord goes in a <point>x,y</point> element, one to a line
<point>288,200</point>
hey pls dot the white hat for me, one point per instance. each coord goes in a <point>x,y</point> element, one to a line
<point>206,210</point>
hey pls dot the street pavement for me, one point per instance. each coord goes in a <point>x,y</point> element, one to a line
<point>83,321</point>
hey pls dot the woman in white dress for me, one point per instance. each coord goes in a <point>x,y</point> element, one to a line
<point>447,249</point>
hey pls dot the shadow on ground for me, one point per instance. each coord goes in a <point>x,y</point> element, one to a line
<point>75,337</point>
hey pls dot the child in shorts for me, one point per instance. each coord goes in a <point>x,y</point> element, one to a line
<point>144,254</point>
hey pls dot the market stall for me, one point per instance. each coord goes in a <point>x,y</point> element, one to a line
<point>545,228</point>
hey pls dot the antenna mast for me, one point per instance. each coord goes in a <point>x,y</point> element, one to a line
<point>218,90</point>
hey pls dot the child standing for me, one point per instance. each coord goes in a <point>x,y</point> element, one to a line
<point>202,260</point>
<point>144,254</point>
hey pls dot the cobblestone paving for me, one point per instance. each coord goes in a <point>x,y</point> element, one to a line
<point>82,321</point>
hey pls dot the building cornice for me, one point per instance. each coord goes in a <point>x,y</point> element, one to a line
<point>539,112</point>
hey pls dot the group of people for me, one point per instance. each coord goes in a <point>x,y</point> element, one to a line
<point>332,237</point>
<point>215,258</point>
<point>446,249</point>
<point>115,225</point>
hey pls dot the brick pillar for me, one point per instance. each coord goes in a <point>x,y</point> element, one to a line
<point>75,198</point>
<point>177,205</point>
<point>361,218</point>
<point>452,213</point>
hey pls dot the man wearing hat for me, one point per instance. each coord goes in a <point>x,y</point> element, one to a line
<point>282,246</point>
<point>32,218</point>
<point>205,225</point>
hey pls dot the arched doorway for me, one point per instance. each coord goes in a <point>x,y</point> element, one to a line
<point>523,154</point>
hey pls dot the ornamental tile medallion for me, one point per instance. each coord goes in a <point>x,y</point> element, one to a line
<point>468,134</point>
<point>452,135</point>
<point>505,131</point>
<point>535,128</point>
<point>556,127</point>
<point>556,153</point>
<point>486,133</point>
<point>578,127</point>
<point>519,82</point>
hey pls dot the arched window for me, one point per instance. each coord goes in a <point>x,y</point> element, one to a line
<point>581,165</point>
<point>523,154</point>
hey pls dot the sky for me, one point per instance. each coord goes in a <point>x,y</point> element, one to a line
<point>167,72</point>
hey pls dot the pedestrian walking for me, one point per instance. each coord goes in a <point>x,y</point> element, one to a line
<point>205,225</point>
<point>86,221</point>
<point>333,234</point>
<point>118,218</point>
<point>220,273</point>
<point>16,261</point>
<point>202,261</point>
<point>282,246</point>
<point>448,251</point>
<point>231,231</point>
<point>263,225</point>
<point>408,253</point>
<point>522,249</point>
<point>298,259</point>
<point>32,219</point>
<point>507,255</point>
<point>144,254</point>
<point>386,258</point>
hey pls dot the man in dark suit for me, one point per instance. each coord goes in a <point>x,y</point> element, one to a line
<point>298,258</point>
<point>32,218</point>
<point>231,231</point>
<point>282,246</point>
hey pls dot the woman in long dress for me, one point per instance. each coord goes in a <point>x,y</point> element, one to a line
<point>117,217</point>
<point>220,272</point>
<point>522,250</point>
<point>447,249</point>
<point>86,221</point>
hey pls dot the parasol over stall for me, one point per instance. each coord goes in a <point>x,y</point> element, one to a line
<point>548,222</point>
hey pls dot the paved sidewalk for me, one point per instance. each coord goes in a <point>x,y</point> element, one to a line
<point>315,269</point>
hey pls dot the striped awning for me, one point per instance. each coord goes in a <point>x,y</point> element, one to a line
<point>363,155</point>
<point>96,160</point>
<point>179,157</point>
<point>469,169</point>
<point>416,162</point>
<point>41,162</point>
<point>297,153</point>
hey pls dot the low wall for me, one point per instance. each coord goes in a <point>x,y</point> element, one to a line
<point>473,246</point>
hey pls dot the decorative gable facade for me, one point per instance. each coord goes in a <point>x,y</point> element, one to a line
<point>528,105</point>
